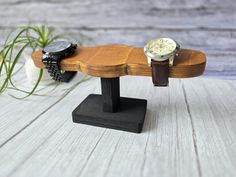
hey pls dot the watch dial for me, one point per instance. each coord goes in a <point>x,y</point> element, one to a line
<point>57,46</point>
<point>161,46</point>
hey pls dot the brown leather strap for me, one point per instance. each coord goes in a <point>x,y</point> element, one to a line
<point>160,73</point>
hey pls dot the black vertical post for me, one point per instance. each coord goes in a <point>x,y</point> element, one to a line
<point>110,94</point>
<point>110,110</point>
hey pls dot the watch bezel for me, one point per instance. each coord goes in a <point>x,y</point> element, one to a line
<point>62,53</point>
<point>160,57</point>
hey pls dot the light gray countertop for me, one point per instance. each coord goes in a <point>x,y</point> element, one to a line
<point>189,130</point>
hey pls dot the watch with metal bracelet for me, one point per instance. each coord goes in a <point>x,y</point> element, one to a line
<point>53,54</point>
<point>161,53</point>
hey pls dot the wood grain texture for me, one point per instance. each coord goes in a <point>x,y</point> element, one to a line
<point>119,60</point>
<point>135,13</point>
<point>16,115</point>
<point>205,25</point>
<point>189,131</point>
<point>214,127</point>
<point>190,126</point>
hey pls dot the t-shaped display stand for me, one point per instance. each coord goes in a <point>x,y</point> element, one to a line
<point>110,62</point>
<point>110,110</point>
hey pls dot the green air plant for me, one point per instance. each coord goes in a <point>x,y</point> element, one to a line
<point>17,41</point>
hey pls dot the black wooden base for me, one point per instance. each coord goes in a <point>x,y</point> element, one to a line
<point>129,116</point>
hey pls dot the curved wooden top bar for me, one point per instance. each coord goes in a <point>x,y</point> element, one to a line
<point>118,60</point>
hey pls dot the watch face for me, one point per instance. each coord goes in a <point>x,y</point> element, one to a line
<point>160,48</point>
<point>57,46</point>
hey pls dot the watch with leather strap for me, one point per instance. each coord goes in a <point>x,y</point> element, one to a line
<point>161,53</point>
<point>53,54</point>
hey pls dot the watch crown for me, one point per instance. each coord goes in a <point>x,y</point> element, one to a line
<point>74,46</point>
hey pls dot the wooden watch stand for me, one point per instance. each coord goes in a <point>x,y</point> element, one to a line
<point>110,62</point>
